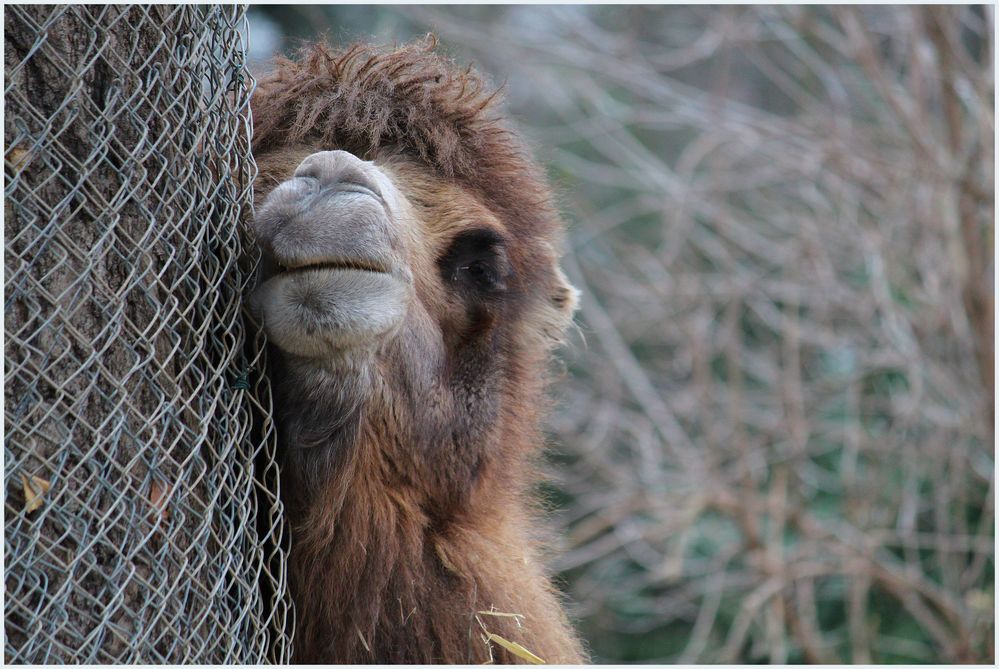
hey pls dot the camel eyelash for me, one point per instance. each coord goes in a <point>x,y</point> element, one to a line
<point>481,273</point>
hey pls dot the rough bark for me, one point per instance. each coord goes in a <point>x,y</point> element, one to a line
<point>124,178</point>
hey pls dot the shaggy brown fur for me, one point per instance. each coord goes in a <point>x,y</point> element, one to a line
<point>410,485</point>
<point>410,101</point>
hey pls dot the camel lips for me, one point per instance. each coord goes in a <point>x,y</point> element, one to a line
<point>352,265</point>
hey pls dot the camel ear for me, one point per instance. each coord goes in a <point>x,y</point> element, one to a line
<point>563,300</point>
<point>565,296</point>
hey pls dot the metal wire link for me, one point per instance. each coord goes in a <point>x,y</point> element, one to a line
<point>142,519</point>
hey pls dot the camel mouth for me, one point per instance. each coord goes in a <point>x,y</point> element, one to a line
<point>339,264</point>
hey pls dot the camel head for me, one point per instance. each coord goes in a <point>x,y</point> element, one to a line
<point>410,281</point>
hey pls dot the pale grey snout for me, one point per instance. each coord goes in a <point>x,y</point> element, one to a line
<point>333,209</point>
<point>334,275</point>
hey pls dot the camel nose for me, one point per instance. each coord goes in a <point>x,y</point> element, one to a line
<point>340,169</point>
<point>331,211</point>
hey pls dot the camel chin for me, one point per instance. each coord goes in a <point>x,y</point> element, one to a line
<point>313,313</point>
<point>333,278</point>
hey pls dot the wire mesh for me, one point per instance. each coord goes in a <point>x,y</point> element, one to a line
<point>141,516</point>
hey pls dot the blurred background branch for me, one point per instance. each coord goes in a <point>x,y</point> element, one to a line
<point>776,443</point>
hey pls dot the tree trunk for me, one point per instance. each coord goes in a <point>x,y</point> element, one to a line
<point>130,496</point>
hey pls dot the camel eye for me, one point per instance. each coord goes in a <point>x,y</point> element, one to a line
<point>483,275</point>
<point>476,261</point>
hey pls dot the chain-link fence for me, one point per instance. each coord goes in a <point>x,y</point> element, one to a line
<point>141,522</point>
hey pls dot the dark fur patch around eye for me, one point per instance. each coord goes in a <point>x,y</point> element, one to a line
<point>476,263</point>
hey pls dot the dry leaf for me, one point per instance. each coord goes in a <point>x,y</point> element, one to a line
<point>158,497</point>
<point>18,158</point>
<point>34,490</point>
<point>517,649</point>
